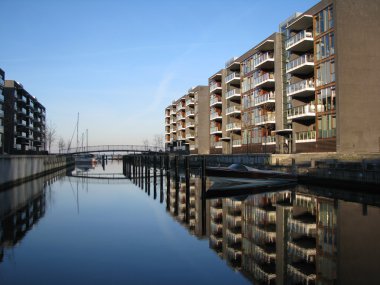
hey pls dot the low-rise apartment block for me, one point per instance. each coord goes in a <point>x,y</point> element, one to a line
<point>24,123</point>
<point>187,122</point>
<point>311,87</point>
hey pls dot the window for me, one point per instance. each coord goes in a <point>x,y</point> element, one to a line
<point>324,47</point>
<point>325,73</point>
<point>326,99</point>
<point>324,20</point>
<point>327,126</point>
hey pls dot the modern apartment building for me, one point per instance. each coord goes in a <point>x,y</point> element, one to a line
<point>24,121</point>
<point>187,122</point>
<point>2,78</point>
<point>311,87</point>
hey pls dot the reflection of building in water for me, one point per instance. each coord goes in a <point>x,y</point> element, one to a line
<point>232,237</point>
<point>21,207</point>
<point>302,239</point>
<point>259,235</point>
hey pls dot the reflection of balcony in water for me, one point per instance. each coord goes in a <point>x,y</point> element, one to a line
<point>302,272</point>
<point>304,224</point>
<point>303,248</point>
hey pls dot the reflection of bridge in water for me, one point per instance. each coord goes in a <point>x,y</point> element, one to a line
<point>115,148</point>
<point>99,178</point>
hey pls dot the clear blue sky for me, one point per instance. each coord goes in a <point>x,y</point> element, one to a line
<point>119,63</point>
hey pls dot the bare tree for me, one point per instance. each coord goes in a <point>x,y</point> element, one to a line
<point>158,141</point>
<point>51,134</point>
<point>61,145</point>
<point>146,144</point>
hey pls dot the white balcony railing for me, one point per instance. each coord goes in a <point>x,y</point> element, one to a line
<point>190,102</point>
<point>268,56</point>
<point>233,126</point>
<point>214,86</point>
<point>302,111</point>
<point>189,113</point>
<point>300,61</point>
<point>269,118</point>
<point>190,124</point>
<point>233,93</point>
<point>233,76</point>
<point>304,85</point>
<point>215,101</point>
<point>233,110</point>
<point>265,98</point>
<point>215,115</point>
<point>268,140</point>
<point>294,40</point>
<point>214,130</point>
<point>236,143</point>
<point>217,144</point>
<point>190,135</point>
<point>266,77</point>
<point>307,136</point>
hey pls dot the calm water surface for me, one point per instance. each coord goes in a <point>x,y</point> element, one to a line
<point>95,230</point>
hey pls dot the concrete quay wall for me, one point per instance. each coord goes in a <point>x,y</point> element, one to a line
<point>15,169</point>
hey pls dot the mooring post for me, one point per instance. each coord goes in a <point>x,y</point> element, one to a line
<point>161,174</point>
<point>167,184</point>
<point>187,182</point>
<point>155,169</point>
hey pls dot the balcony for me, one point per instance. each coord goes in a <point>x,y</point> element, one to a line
<point>190,124</point>
<point>21,123</point>
<point>181,107</point>
<point>265,60</point>
<point>180,138</point>
<point>173,130</point>
<point>269,140</point>
<point>173,122</point>
<point>233,94</point>
<point>21,111</point>
<point>180,127</point>
<point>1,97</point>
<point>215,87</point>
<point>167,114</point>
<point>264,99</point>
<point>269,118</point>
<point>304,248</point>
<point>236,143</point>
<point>22,99</point>
<point>2,82</point>
<point>215,116</point>
<point>233,127</point>
<point>190,136</point>
<point>215,101</point>
<point>233,110</point>
<point>190,102</point>
<point>304,137</point>
<point>233,78</point>
<point>265,80</point>
<point>301,65</point>
<point>190,113</point>
<point>305,112</point>
<point>215,130</point>
<point>217,144</point>
<point>304,88</point>
<point>301,42</point>
<point>1,113</point>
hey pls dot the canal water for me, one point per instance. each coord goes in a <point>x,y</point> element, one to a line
<point>94,226</point>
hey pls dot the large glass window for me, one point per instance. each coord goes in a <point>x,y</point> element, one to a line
<point>326,99</point>
<point>324,47</point>
<point>324,20</point>
<point>325,73</point>
<point>327,126</point>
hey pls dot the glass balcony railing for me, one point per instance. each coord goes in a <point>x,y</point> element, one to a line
<point>22,111</point>
<point>263,58</point>
<point>294,40</point>
<point>22,99</point>
<point>304,59</point>
<point>233,109</point>
<point>301,111</point>
<point>268,140</point>
<point>189,113</point>
<point>190,135</point>
<point>215,86</point>
<point>190,125</point>
<point>215,100</point>
<point>232,76</point>
<point>1,113</point>
<point>266,77</point>
<point>236,143</point>
<point>233,93</point>
<point>2,82</point>
<point>217,144</point>
<point>214,130</point>
<point>215,115</point>
<point>1,97</point>
<point>265,98</point>
<point>233,126</point>
<point>307,136</point>
<point>304,85</point>
<point>190,102</point>
<point>269,118</point>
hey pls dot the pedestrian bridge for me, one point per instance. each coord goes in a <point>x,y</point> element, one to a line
<point>115,148</point>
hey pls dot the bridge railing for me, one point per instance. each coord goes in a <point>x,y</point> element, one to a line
<point>114,148</point>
